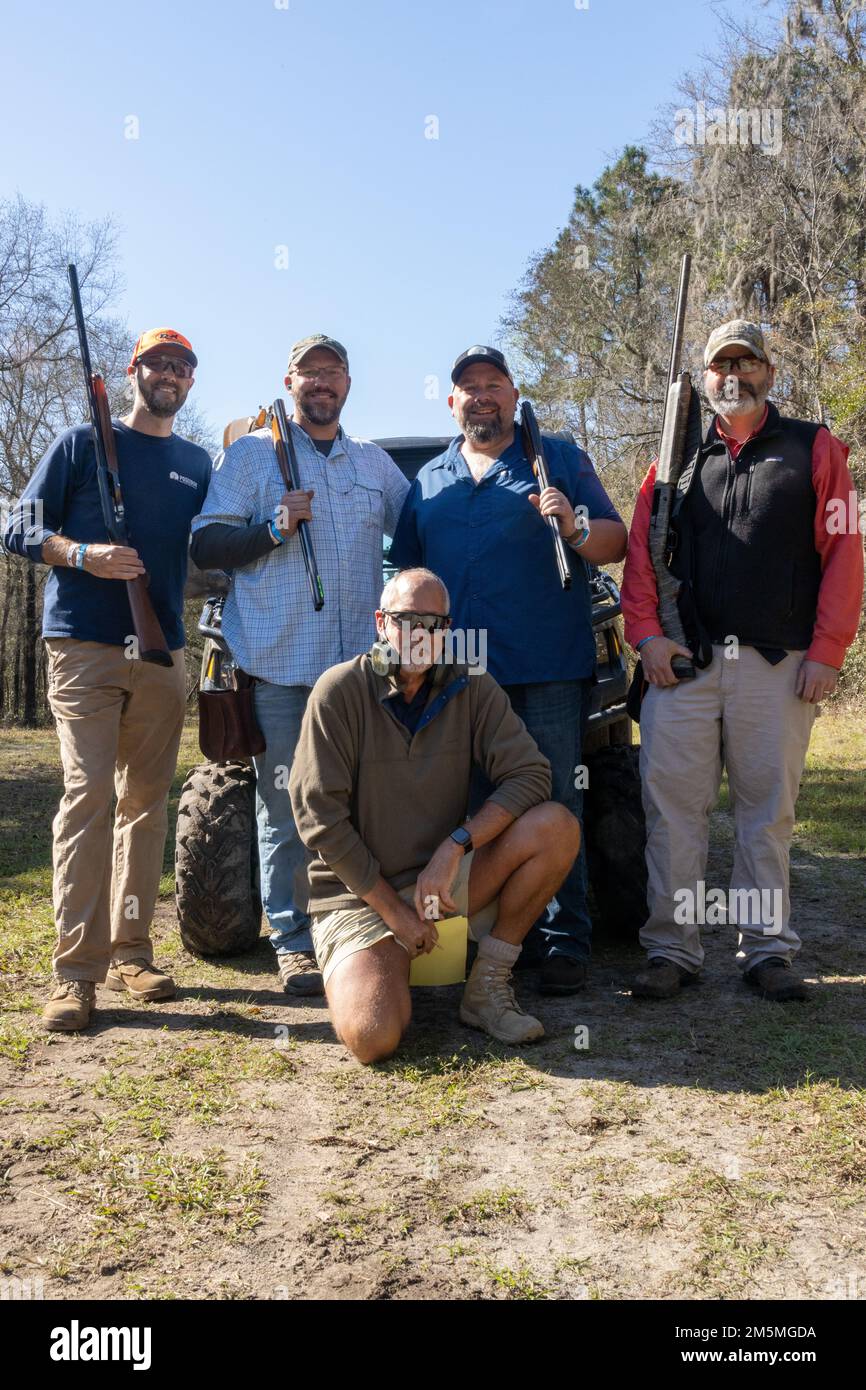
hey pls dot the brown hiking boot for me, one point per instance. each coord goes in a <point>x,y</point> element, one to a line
<point>489,1003</point>
<point>69,1006</point>
<point>662,979</point>
<point>299,973</point>
<point>776,980</point>
<point>141,979</point>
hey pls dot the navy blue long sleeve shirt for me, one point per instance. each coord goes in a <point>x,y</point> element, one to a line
<point>163,481</point>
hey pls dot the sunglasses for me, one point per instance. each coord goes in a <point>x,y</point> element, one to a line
<point>430,622</point>
<point>177,365</point>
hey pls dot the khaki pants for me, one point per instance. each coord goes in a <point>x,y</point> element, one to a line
<point>742,714</point>
<point>119,723</point>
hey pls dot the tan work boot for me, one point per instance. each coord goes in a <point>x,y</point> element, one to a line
<point>299,973</point>
<point>141,979</point>
<point>489,1003</point>
<point>69,1006</point>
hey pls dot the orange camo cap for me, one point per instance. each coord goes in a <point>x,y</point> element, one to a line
<point>165,338</point>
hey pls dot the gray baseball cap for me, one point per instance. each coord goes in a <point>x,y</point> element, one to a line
<point>317,340</point>
<point>737,333</point>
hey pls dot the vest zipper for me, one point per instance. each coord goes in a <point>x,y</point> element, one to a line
<point>748,505</point>
<point>722,555</point>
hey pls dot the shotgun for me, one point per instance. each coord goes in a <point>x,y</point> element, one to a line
<point>285,449</point>
<point>681,432</point>
<point>152,645</point>
<point>535,453</point>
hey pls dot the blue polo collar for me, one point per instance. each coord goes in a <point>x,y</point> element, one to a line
<point>454,461</point>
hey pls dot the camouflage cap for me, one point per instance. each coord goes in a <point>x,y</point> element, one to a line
<point>737,333</point>
<point>317,340</point>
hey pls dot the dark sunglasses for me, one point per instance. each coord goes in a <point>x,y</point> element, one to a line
<point>181,369</point>
<point>431,622</point>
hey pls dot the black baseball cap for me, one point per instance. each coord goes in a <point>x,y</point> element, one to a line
<point>478,353</point>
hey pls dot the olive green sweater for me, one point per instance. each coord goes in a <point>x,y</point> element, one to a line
<point>370,798</point>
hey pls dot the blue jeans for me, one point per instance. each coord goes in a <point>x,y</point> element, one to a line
<point>282,857</point>
<point>555,713</point>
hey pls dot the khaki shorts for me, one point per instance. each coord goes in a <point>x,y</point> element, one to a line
<point>341,933</point>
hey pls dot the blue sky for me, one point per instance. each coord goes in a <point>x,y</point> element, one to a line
<point>265,124</point>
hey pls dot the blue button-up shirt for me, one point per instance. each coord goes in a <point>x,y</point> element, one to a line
<point>269,621</point>
<point>495,553</point>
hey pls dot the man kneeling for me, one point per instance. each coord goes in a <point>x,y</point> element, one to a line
<point>380,788</point>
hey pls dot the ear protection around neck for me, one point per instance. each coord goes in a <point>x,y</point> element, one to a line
<point>385,661</point>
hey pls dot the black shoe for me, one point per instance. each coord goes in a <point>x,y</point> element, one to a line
<point>562,975</point>
<point>776,980</point>
<point>661,979</point>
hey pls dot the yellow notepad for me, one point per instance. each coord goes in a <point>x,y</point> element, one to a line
<point>446,963</point>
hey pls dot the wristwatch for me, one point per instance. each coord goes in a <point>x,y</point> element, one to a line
<point>462,837</point>
<point>578,537</point>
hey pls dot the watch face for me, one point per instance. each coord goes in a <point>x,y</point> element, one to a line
<point>461,836</point>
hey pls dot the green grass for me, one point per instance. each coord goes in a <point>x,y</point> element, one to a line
<point>126,1185</point>
<point>507,1205</point>
<point>817,1131</point>
<point>831,808</point>
<point>521,1283</point>
<point>198,1083</point>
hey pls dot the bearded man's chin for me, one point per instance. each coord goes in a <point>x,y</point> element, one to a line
<point>743,405</point>
<point>321,414</point>
<point>483,434</point>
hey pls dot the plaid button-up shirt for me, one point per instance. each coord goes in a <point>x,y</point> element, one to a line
<point>268,620</point>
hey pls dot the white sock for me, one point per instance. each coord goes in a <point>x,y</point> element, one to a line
<point>493,948</point>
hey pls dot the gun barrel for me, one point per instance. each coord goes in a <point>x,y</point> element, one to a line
<point>151,639</point>
<point>680,318</point>
<point>535,454</point>
<point>285,451</point>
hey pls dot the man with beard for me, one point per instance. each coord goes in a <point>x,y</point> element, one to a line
<point>381,787</point>
<point>475,516</point>
<point>118,719</point>
<point>776,585</point>
<point>249,526</point>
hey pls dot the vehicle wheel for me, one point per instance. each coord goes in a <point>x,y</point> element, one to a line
<point>216,862</point>
<point>616,839</point>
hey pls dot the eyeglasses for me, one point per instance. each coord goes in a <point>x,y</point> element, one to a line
<point>161,365</point>
<point>328,373</point>
<point>723,366</point>
<point>431,622</point>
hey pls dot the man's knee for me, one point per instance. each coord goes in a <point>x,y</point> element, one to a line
<point>555,830</point>
<point>374,1042</point>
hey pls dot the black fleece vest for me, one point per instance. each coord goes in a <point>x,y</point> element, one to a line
<point>745,536</point>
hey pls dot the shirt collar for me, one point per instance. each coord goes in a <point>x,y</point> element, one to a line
<point>453,458</point>
<point>339,446</point>
<point>738,443</point>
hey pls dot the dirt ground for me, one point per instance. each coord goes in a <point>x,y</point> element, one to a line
<point>224,1144</point>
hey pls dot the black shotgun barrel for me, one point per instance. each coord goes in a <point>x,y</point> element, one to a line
<point>285,449</point>
<point>535,453</point>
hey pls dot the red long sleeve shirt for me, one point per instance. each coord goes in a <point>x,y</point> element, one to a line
<point>841,591</point>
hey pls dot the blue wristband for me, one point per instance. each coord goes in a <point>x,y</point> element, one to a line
<point>643,641</point>
<point>79,557</point>
<point>275,535</point>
